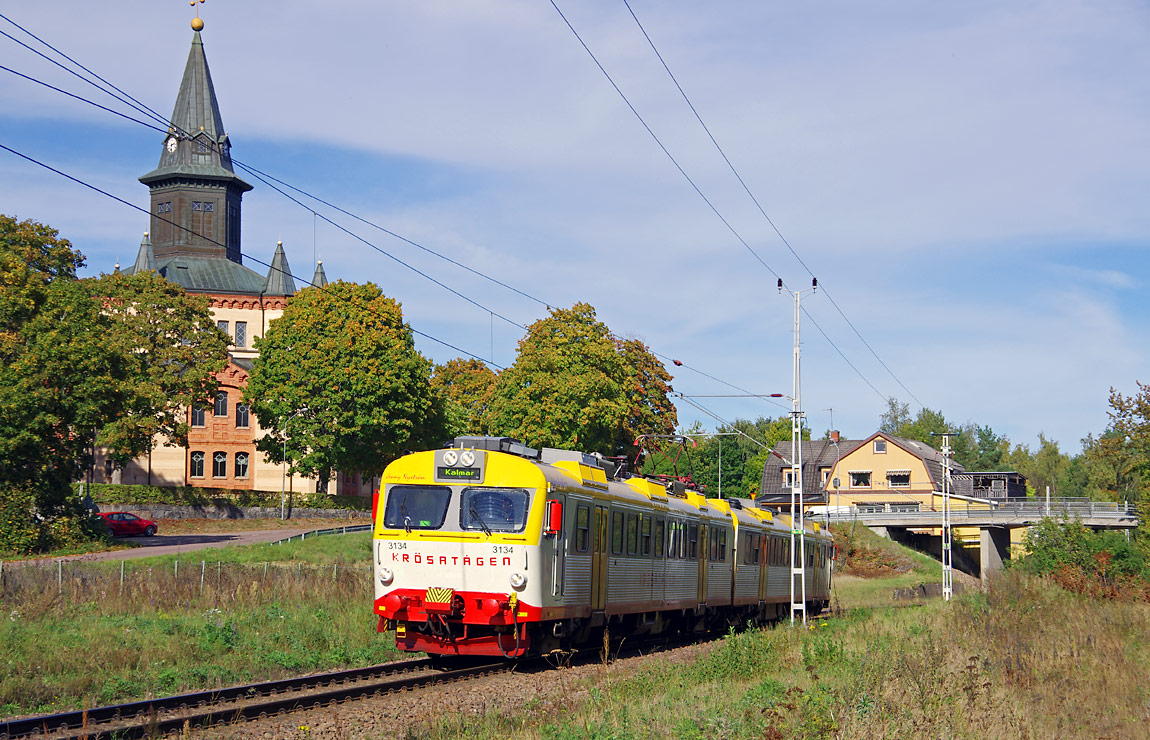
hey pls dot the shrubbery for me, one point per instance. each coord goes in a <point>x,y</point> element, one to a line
<point>1103,564</point>
<point>107,493</point>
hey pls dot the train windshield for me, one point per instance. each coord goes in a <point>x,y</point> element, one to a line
<point>416,507</point>
<point>494,509</point>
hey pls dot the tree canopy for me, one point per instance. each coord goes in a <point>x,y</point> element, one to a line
<point>175,348</point>
<point>345,354</point>
<point>466,387</point>
<point>77,366</point>
<point>573,385</point>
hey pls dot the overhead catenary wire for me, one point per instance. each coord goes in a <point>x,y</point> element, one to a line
<point>258,261</point>
<point>759,206</point>
<point>691,181</point>
<point>171,127</point>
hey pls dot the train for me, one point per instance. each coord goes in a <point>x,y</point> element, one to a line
<point>488,547</point>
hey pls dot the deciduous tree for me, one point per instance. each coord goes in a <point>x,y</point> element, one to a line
<point>466,386</point>
<point>345,354</point>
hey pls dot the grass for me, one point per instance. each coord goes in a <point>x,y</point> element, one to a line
<point>259,613</point>
<point>1025,659</point>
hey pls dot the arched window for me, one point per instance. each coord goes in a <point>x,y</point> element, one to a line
<point>197,466</point>
<point>241,465</point>
<point>220,465</point>
<point>221,404</point>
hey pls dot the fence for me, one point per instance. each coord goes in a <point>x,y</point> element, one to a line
<point>1120,513</point>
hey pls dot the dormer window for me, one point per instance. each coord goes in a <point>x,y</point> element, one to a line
<point>201,146</point>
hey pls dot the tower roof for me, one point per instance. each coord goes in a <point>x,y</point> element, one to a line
<point>146,259</point>
<point>197,145</point>
<point>279,280</point>
<point>319,280</point>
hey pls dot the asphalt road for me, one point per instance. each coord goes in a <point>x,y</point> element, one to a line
<point>169,544</point>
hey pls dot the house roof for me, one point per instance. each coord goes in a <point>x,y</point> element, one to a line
<point>822,453</point>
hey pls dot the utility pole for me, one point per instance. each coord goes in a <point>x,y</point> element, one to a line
<point>798,527</point>
<point>947,560</point>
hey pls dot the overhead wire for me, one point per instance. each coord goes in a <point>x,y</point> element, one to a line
<point>269,179</point>
<point>758,205</point>
<point>691,181</point>
<point>257,260</point>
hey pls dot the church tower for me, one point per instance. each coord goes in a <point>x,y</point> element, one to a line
<point>195,193</point>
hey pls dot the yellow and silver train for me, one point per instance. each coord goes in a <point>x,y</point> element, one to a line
<point>489,547</point>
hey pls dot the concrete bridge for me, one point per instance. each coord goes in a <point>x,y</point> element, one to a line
<point>994,519</point>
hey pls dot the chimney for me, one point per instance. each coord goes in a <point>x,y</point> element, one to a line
<point>835,436</point>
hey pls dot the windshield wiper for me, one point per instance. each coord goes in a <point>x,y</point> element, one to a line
<point>475,515</point>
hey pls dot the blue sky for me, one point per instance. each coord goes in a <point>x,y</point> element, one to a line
<point>968,181</point>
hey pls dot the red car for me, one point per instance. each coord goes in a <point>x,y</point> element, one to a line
<point>123,524</point>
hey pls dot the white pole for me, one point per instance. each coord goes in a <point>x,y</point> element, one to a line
<point>947,573</point>
<point>1048,501</point>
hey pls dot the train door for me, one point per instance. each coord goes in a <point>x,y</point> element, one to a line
<point>599,561</point>
<point>701,551</point>
<point>555,529</point>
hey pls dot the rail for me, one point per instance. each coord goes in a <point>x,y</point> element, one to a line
<point>320,532</point>
<point>1095,511</point>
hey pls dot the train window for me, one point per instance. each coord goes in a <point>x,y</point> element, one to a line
<point>617,532</point>
<point>494,509</point>
<point>645,536</point>
<point>713,546</point>
<point>659,529</point>
<point>582,528</point>
<point>754,555</point>
<point>416,507</point>
<point>693,543</point>
<point>632,533</point>
<point>722,545</point>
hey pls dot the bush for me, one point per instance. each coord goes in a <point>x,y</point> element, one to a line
<point>108,493</point>
<point>1096,563</point>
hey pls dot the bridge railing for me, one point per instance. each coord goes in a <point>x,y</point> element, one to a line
<point>998,510</point>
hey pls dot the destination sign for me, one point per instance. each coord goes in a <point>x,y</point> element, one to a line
<point>458,474</point>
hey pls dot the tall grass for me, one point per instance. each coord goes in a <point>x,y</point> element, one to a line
<point>1024,660</point>
<point>84,640</point>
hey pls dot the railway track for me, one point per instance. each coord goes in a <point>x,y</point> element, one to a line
<point>158,717</point>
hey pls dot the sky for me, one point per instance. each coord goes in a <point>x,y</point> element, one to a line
<point>968,181</point>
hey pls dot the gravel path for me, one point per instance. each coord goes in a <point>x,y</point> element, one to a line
<point>169,544</point>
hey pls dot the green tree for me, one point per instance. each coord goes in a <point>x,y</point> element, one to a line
<point>466,386</point>
<point>989,450</point>
<point>572,385</point>
<point>61,380</point>
<point>175,349</point>
<point>345,354</point>
<point>895,417</point>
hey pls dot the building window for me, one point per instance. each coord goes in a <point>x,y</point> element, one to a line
<point>241,333</point>
<point>824,476</point>
<point>201,146</point>
<point>209,206</point>
<point>860,479</point>
<point>198,415</point>
<point>196,205</point>
<point>900,479</point>
<point>242,416</point>
<point>880,447</point>
<point>788,478</point>
<point>241,465</point>
<point>223,326</point>
<point>221,404</point>
<point>197,466</point>
<point>220,465</point>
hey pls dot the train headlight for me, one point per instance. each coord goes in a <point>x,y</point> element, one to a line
<point>518,580</point>
<point>450,458</point>
<point>386,576</point>
<point>467,458</point>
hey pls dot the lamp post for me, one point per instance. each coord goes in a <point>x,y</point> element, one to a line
<point>283,480</point>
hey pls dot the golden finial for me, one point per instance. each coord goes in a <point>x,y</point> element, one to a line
<point>197,22</point>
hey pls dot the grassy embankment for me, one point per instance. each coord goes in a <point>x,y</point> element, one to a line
<point>1023,660</point>
<point>262,612</point>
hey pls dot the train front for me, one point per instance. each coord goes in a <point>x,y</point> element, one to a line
<point>456,552</point>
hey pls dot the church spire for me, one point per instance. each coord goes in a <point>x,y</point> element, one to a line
<point>319,280</point>
<point>146,259</point>
<point>195,192</point>
<point>279,281</point>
